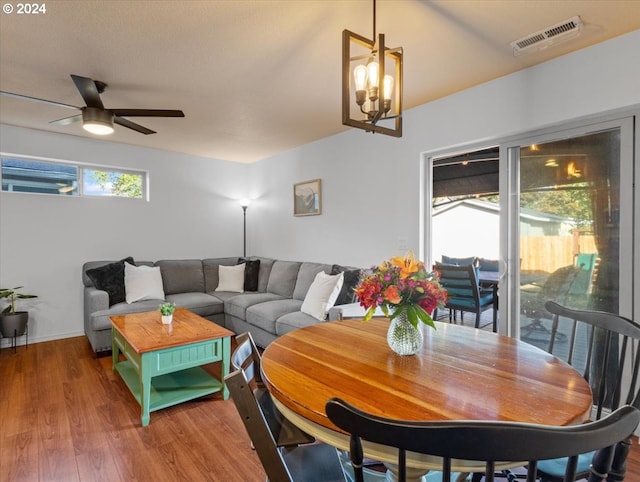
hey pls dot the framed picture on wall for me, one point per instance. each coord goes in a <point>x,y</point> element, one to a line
<point>307,198</point>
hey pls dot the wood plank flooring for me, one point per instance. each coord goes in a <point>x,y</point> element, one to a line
<point>64,416</point>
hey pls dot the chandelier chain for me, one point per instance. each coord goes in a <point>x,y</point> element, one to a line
<point>374,21</point>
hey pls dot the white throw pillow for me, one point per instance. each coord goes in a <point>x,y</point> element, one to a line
<point>142,283</point>
<point>322,294</point>
<point>231,278</point>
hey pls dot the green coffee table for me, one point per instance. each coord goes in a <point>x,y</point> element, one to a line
<point>162,364</point>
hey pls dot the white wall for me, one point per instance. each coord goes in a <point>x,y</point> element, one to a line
<point>193,212</point>
<point>370,185</point>
<point>370,182</point>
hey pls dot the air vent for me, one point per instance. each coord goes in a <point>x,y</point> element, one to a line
<point>553,35</point>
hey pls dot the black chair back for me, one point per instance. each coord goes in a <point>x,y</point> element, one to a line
<point>304,463</point>
<point>605,348</point>
<point>246,357</point>
<point>482,441</point>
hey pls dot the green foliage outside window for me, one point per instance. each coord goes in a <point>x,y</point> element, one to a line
<point>118,183</point>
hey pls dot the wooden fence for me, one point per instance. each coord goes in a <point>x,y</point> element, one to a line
<point>548,253</point>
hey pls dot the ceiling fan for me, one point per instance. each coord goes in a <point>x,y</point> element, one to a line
<point>94,116</point>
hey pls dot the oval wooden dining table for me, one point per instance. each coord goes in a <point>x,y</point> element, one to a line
<point>461,373</point>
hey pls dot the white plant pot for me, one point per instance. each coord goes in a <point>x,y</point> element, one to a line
<point>167,319</point>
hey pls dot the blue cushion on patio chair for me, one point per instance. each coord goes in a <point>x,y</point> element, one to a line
<point>459,261</point>
<point>556,467</point>
<point>488,264</point>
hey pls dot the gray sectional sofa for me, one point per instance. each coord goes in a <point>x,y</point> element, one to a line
<point>268,312</point>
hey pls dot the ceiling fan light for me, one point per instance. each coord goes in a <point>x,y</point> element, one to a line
<point>97,121</point>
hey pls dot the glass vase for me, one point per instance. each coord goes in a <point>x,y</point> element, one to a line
<point>404,338</point>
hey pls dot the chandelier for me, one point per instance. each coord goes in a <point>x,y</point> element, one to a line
<point>366,66</point>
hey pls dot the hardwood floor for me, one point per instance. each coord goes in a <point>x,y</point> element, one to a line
<point>64,416</point>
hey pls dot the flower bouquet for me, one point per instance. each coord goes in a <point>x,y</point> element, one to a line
<point>402,286</point>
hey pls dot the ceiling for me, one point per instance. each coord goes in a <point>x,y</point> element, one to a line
<point>255,78</point>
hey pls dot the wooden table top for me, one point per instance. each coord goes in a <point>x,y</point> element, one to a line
<point>145,331</point>
<point>460,374</point>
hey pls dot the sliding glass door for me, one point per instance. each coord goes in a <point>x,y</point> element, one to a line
<point>567,225</point>
<point>554,209</point>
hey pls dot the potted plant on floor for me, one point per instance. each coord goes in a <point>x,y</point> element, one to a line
<point>12,322</point>
<point>166,310</point>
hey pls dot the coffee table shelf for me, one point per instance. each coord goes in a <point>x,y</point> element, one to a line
<point>162,366</point>
<point>172,388</point>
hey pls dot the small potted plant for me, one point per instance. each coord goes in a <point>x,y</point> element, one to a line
<point>12,322</point>
<point>166,310</point>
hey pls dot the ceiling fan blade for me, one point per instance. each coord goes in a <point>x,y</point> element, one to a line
<point>147,113</point>
<point>67,120</point>
<point>36,99</point>
<point>132,125</point>
<point>88,91</point>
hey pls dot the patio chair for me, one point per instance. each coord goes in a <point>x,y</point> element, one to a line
<point>247,358</point>
<point>465,294</point>
<point>605,348</point>
<point>533,296</point>
<point>483,441</point>
<point>584,281</point>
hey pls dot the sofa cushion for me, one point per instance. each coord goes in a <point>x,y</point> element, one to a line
<point>251,273</point>
<point>181,275</point>
<point>237,304</point>
<point>293,321</point>
<point>100,319</point>
<point>110,278</point>
<point>282,279</point>
<point>200,303</point>
<point>210,269</point>
<point>306,275</point>
<point>322,295</point>
<point>142,283</point>
<point>264,315</point>
<point>231,278</point>
<point>352,277</point>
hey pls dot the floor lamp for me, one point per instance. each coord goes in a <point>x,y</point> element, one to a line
<point>244,204</point>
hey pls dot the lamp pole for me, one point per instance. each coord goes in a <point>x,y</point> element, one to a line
<point>244,204</point>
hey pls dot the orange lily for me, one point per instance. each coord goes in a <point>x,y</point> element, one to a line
<point>407,264</point>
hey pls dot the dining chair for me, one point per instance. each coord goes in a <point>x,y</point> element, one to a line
<point>605,348</point>
<point>492,443</point>
<point>246,357</point>
<point>315,462</point>
<point>310,463</point>
<point>464,292</point>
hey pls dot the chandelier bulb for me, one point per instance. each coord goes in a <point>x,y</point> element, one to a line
<point>360,77</point>
<point>388,87</point>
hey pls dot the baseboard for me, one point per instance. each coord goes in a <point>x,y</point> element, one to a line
<point>22,340</point>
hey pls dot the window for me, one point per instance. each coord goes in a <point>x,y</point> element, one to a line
<point>21,175</point>
<point>112,183</point>
<point>50,177</point>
